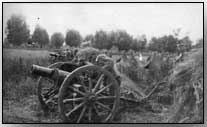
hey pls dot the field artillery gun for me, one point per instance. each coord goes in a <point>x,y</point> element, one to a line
<point>62,55</point>
<point>55,57</point>
<point>82,92</point>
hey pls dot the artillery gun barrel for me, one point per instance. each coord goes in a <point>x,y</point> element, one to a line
<point>53,54</point>
<point>49,72</point>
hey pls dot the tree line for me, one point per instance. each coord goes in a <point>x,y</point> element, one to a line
<point>18,33</point>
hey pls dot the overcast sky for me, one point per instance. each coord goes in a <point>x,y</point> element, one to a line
<point>151,19</point>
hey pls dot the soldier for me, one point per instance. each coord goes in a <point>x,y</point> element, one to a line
<point>68,54</point>
<point>108,64</point>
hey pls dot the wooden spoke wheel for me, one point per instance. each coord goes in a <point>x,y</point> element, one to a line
<point>90,94</point>
<point>48,91</point>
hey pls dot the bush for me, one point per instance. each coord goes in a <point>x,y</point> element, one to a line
<point>187,81</point>
<point>159,68</point>
<point>130,68</point>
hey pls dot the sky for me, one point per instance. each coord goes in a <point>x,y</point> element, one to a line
<point>151,19</point>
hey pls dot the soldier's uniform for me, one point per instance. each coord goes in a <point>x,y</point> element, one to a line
<point>108,64</point>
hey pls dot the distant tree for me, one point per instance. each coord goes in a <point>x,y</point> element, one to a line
<point>73,38</point>
<point>139,44</point>
<point>155,45</point>
<point>106,40</point>
<point>170,43</point>
<point>199,43</point>
<point>17,30</point>
<point>6,42</point>
<point>57,40</point>
<point>29,41</point>
<point>185,44</point>
<point>112,39</point>
<point>89,38</point>
<point>120,39</point>
<point>123,40</point>
<point>40,36</point>
<point>100,40</point>
<point>142,42</point>
<point>163,44</point>
<point>135,45</point>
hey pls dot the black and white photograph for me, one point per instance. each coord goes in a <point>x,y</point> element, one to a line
<point>100,63</point>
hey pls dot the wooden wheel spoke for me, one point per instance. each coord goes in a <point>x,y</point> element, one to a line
<point>52,98</point>
<point>49,90</point>
<point>76,90</point>
<point>73,100</point>
<point>106,97</point>
<point>98,83</point>
<point>49,94</point>
<point>55,103</point>
<point>48,100</point>
<point>89,114</point>
<point>90,84</point>
<point>74,109</point>
<point>96,110</point>
<point>104,106</point>
<point>81,115</point>
<point>104,88</point>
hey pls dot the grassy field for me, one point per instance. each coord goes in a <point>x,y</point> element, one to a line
<point>23,53</point>
<point>20,101</point>
<point>19,86</point>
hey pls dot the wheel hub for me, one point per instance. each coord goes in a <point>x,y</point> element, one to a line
<point>91,98</point>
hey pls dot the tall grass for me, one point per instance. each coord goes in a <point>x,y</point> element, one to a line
<point>146,77</point>
<point>17,79</point>
<point>185,77</point>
